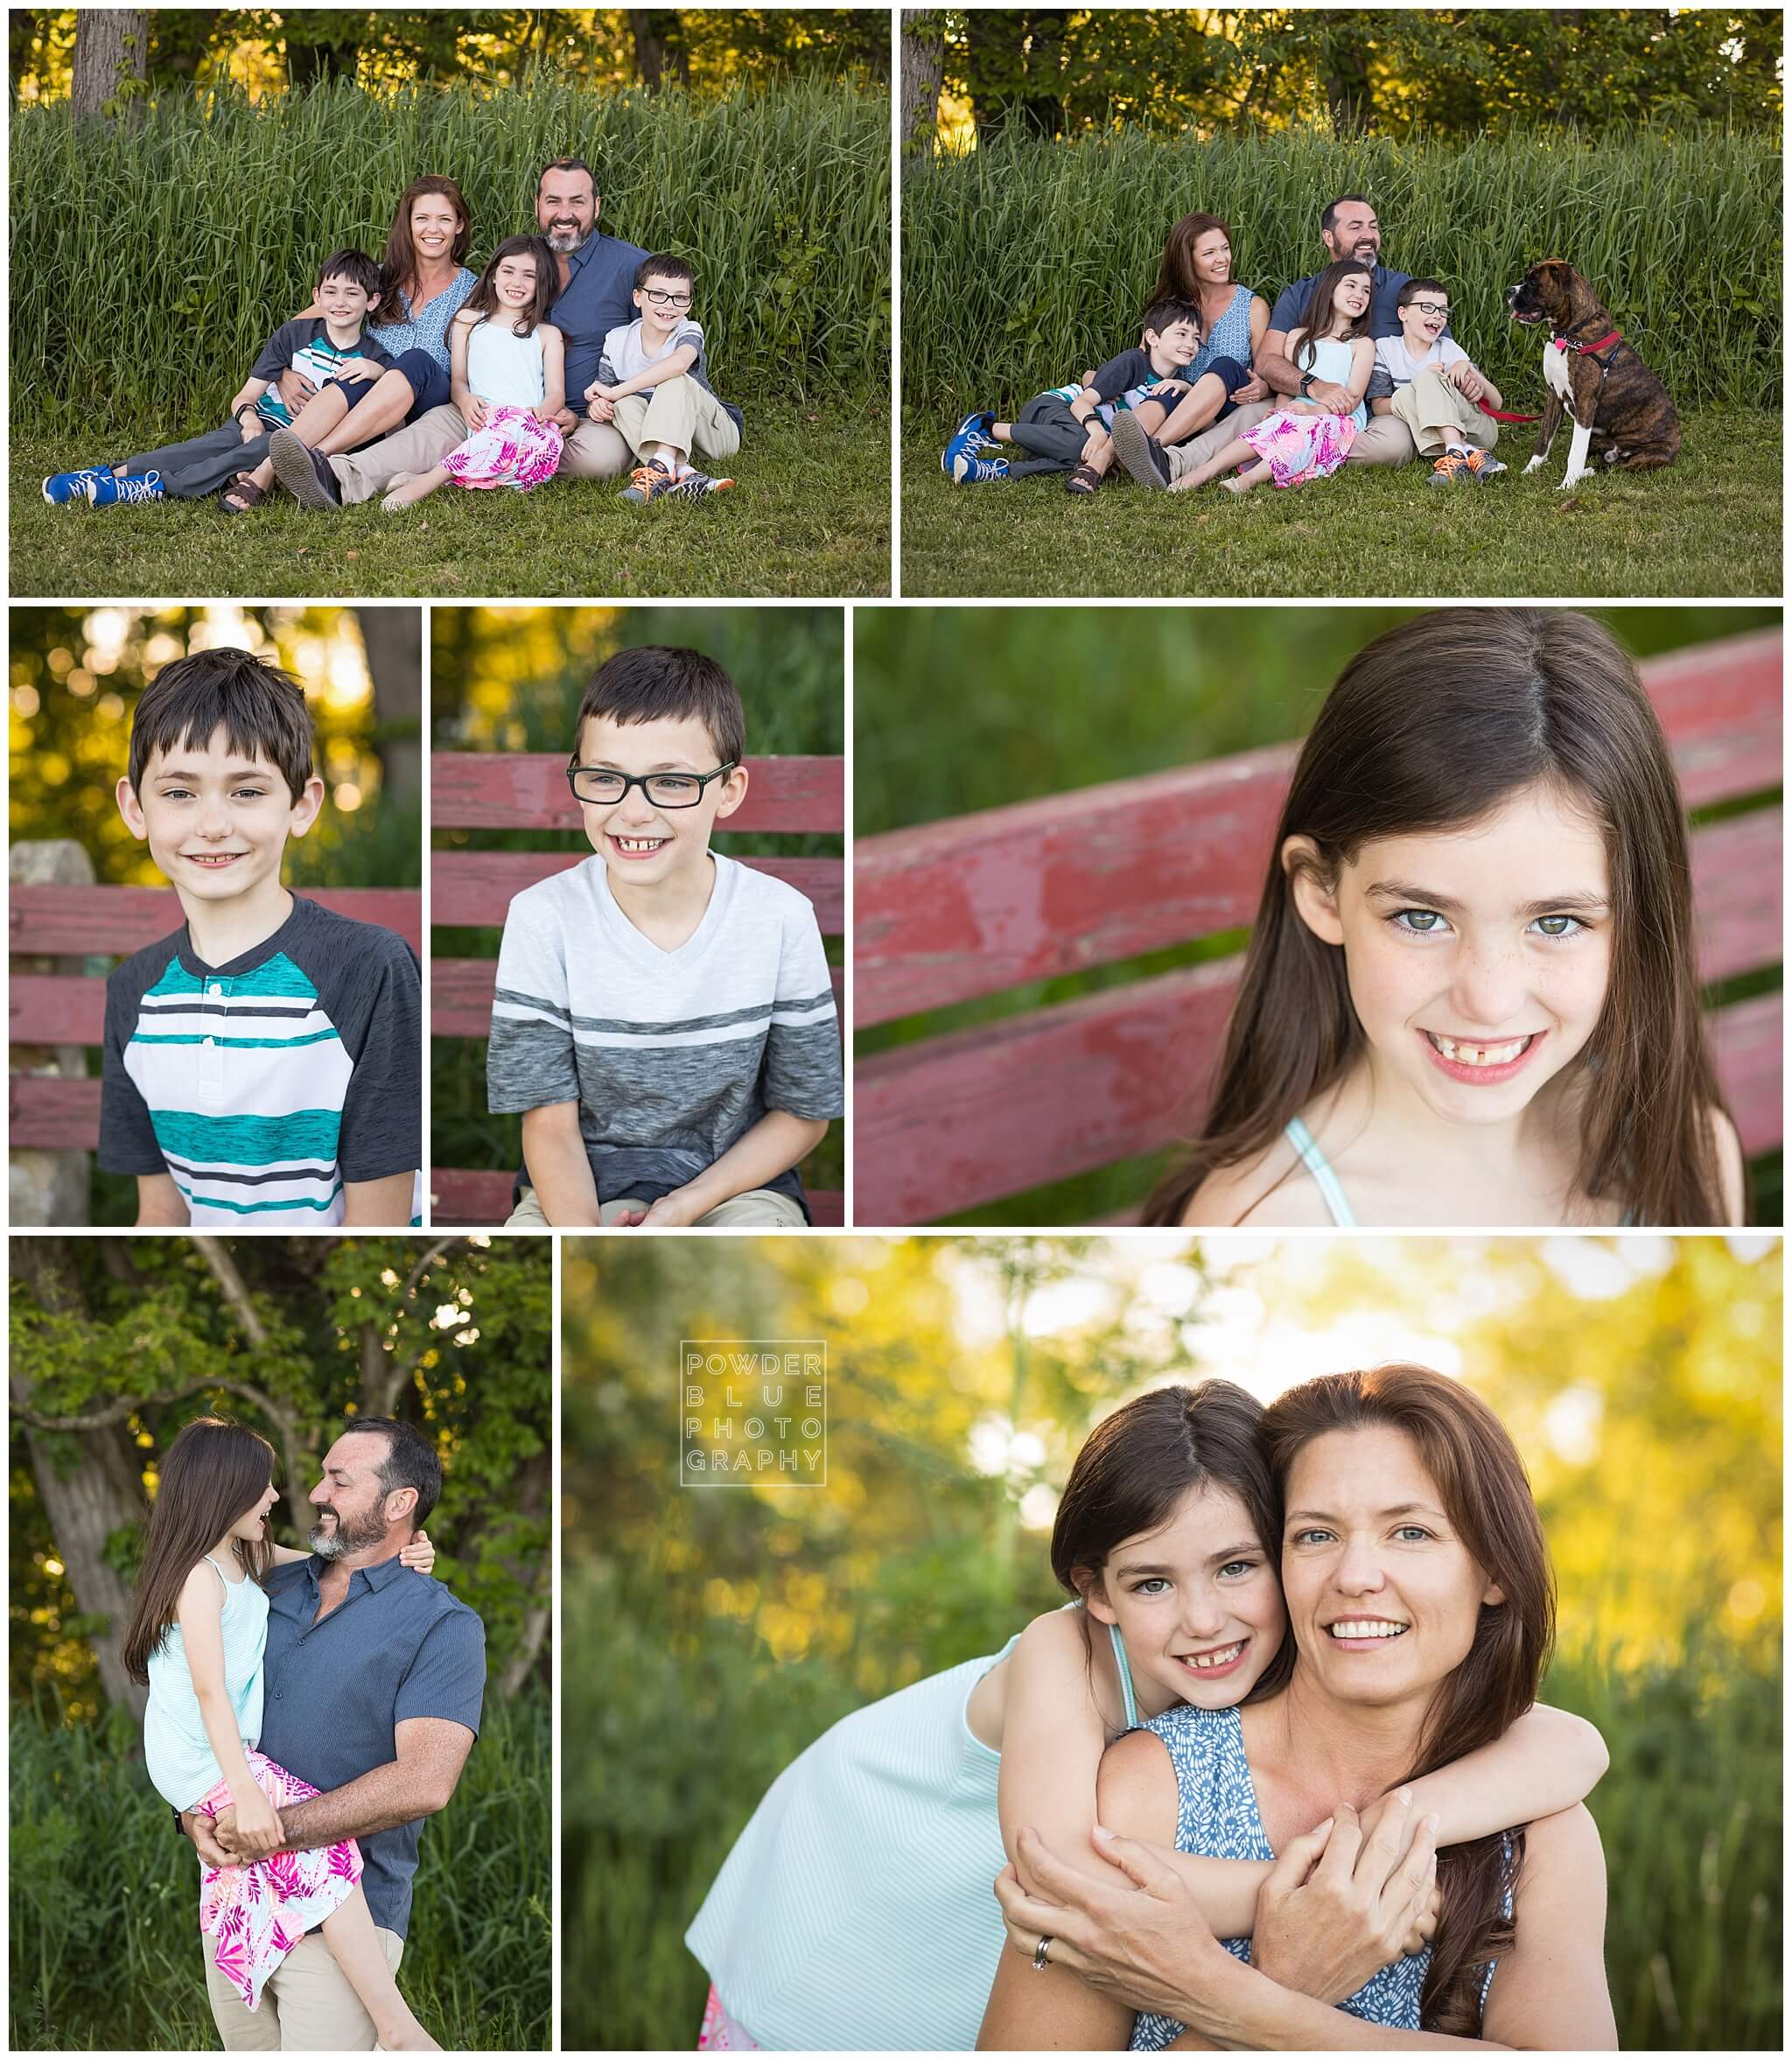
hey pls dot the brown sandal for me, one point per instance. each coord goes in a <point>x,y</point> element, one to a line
<point>1084,479</point>
<point>247,494</point>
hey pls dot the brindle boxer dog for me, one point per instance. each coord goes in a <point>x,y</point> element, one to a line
<point>1591,371</point>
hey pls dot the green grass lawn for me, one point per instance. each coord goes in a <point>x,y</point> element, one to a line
<point>1708,525</point>
<point>810,516</point>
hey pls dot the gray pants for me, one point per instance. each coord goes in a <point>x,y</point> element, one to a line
<point>200,465</point>
<point>1053,436</point>
<point>1386,441</point>
<point>593,451</point>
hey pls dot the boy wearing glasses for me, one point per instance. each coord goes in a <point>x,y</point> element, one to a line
<point>664,1017</point>
<point>1437,391</point>
<point>653,385</point>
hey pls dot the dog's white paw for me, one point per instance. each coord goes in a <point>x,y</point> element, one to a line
<point>1536,464</point>
<point>1572,481</point>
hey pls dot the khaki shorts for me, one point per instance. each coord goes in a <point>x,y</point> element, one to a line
<point>762,1208</point>
<point>306,2007</point>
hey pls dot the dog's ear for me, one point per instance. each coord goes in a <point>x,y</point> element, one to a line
<point>1557,271</point>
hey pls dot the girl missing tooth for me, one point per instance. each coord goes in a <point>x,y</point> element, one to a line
<point>1471,994</point>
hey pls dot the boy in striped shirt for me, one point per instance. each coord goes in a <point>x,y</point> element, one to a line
<point>664,1017</point>
<point>262,1065</point>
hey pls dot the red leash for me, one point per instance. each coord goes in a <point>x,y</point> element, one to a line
<point>1561,343</point>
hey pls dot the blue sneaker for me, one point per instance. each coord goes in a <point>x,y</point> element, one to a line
<point>109,491</point>
<point>969,439</point>
<point>972,472</point>
<point>61,489</point>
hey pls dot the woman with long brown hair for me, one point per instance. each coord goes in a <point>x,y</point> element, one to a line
<point>1197,268</point>
<point>423,285</point>
<point>1471,993</point>
<point>1422,1610</point>
<point>197,1637</point>
<point>854,1910</point>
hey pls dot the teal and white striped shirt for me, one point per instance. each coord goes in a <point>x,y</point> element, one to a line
<point>261,1087</point>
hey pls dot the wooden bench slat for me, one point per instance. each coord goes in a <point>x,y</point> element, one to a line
<point>465,1197</point>
<point>461,989</point>
<point>947,936</point>
<point>979,1114</point>
<point>98,920</point>
<point>474,889</point>
<point>978,903</point>
<point>57,1114</point>
<point>511,790</point>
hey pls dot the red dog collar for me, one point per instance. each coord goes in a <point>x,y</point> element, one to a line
<point>1567,343</point>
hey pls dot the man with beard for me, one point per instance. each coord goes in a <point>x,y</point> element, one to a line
<point>597,285</point>
<point>1347,228</point>
<point>373,1681</point>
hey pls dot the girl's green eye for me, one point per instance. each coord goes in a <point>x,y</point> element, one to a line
<point>1151,1582</point>
<point>1559,926</point>
<point>1418,921</point>
<point>1239,1567</point>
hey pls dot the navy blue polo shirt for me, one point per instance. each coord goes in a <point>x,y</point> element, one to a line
<point>597,297</point>
<point>397,1646</point>
<point>1290,310</point>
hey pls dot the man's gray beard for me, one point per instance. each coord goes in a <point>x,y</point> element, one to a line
<point>346,1539</point>
<point>580,238</point>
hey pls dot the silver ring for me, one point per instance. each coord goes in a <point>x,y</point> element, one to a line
<point>1039,1952</point>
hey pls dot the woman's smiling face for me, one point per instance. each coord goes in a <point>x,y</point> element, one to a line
<point>1383,1596</point>
<point>1196,1600</point>
<point>1213,258</point>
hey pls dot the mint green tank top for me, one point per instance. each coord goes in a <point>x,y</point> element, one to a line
<point>856,1911</point>
<point>175,1751</point>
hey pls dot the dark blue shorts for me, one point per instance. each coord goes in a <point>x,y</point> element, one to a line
<point>428,381</point>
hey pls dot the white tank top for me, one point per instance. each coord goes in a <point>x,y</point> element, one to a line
<point>504,369</point>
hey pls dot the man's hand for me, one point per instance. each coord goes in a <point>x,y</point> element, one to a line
<point>295,389</point>
<point>1148,1946</point>
<point>202,1830</point>
<point>1334,398</point>
<point>565,419</point>
<point>1338,1907</point>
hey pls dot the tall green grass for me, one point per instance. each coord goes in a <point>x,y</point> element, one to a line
<point>1028,261</point>
<point>150,263</point>
<point>103,1919</point>
<point>685,1731</point>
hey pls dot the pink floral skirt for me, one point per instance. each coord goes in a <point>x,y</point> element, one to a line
<point>720,2033</point>
<point>255,1914</point>
<point>513,449</point>
<point>1298,448</point>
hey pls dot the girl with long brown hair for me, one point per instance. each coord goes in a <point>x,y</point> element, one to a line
<point>887,1832</point>
<point>197,1635</point>
<point>1303,440</point>
<point>1422,1607</point>
<point>1471,994</point>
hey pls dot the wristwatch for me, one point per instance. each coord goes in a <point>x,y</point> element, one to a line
<point>1306,381</point>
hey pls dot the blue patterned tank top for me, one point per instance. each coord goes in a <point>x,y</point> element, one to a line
<point>1216,1815</point>
<point>1230,337</point>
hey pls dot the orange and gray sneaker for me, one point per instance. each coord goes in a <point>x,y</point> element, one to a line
<point>648,482</point>
<point>1469,467</point>
<point>693,484</point>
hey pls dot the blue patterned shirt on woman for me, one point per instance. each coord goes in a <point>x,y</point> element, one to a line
<point>1217,1815</point>
<point>427,330</point>
<point>1229,338</point>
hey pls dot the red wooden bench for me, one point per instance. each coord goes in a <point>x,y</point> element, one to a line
<point>61,1112</point>
<point>509,790</point>
<point>982,903</point>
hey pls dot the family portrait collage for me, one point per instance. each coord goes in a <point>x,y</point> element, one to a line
<point>896,1049</point>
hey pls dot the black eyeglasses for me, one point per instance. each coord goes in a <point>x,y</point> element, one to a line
<point>660,297</point>
<point>1431,307</point>
<point>664,790</point>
